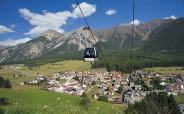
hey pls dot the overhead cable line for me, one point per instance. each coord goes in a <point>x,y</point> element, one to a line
<point>85,20</point>
<point>133,26</point>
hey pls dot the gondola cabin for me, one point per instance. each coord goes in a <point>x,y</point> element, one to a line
<point>90,54</point>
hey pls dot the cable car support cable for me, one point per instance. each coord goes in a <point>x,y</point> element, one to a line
<point>85,20</point>
<point>90,52</point>
<point>132,43</point>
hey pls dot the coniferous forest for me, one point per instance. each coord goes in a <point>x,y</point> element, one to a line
<point>154,103</point>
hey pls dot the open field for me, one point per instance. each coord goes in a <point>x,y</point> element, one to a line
<point>48,69</point>
<point>166,70</point>
<point>32,100</point>
<point>179,99</point>
<point>72,65</point>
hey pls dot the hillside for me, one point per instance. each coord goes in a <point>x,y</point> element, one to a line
<point>48,43</point>
<point>43,68</point>
<point>70,45</point>
<point>162,47</point>
<point>33,100</point>
<point>120,36</point>
<point>167,37</point>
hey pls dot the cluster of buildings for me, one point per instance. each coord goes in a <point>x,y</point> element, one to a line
<point>115,86</point>
<point>59,82</point>
<point>171,84</point>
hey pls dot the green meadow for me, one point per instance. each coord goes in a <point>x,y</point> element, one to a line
<point>47,69</point>
<point>33,100</point>
<point>166,70</point>
<point>8,71</point>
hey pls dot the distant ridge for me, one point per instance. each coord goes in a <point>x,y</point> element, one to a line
<point>152,34</point>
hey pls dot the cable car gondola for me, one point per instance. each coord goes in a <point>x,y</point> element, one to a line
<point>90,54</point>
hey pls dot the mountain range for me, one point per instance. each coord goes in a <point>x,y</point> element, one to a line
<point>158,34</point>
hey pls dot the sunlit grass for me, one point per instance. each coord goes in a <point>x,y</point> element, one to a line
<point>45,70</point>
<point>166,70</point>
<point>35,100</point>
<point>179,99</point>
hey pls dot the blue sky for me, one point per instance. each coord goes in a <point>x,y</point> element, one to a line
<point>21,20</point>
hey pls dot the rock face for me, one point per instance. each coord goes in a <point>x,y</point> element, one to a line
<point>120,36</point>
<point>81,38</point>
<point>47,42</point>
<point>51,34</point>
<point>53,42</point>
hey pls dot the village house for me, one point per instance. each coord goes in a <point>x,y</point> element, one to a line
<point>137,87</point>
<point>76,83</point>
<point>181,107</point>
<point>174,88</point>
<point>132,97</point>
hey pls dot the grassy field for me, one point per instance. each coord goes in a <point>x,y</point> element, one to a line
<point>179,99</point>
<point>32,100</point>
<point>166,70</point>
<point>46,70</point>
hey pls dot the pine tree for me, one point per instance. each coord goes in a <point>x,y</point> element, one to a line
<point>2,111</point>
<point>85,101</point>
<point>2,82</point>
<point>8,84</point>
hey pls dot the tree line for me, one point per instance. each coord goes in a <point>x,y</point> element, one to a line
<point>5,83</point>
<point>120,61</point>
<point>155,103</point>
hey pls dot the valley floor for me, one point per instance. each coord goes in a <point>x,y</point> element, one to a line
<point>33,100</point>
<point>166,70</point>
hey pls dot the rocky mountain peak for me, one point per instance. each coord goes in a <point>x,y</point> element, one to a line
<point>50,34</point>
<point>53,42</point>
<point>81,37</point>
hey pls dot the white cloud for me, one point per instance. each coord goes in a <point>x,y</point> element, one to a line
<point>136,22</point>
<point>4,29</point>
<point>13,26</point>
<point>88,9</point>
<point>171,17</point>
<point>13,42</point>
<point>110,12</point>
<point>54,20</point>
<point>45,21</point>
